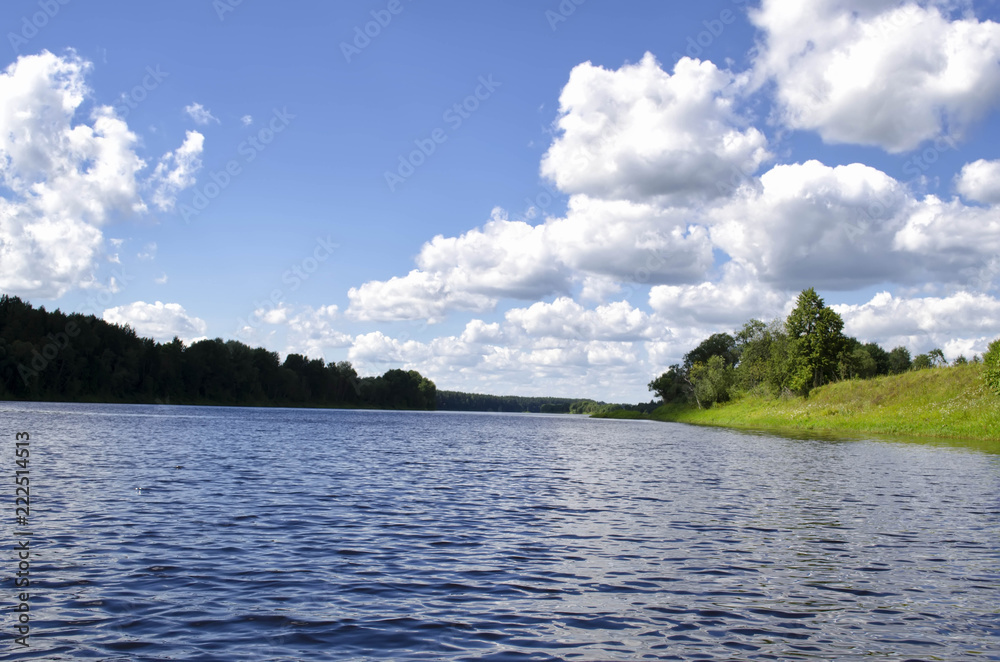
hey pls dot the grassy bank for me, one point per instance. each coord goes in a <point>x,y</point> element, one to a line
<point>942,402</point>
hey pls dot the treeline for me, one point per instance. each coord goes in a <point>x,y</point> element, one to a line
<point>457,401</point>
<point>53,356</point>
<point>785,357</point>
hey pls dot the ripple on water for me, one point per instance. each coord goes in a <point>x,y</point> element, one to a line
<point>301,534</point>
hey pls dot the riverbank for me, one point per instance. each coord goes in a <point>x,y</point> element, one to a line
<point>942,402</point>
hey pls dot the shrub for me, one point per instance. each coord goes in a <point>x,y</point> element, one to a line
<point>991,366</point>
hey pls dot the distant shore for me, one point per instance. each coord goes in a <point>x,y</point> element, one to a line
<point>946,403</point>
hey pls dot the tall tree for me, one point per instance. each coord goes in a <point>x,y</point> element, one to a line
<point>817,339</point>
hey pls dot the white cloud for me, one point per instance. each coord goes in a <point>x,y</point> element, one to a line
<point>148,252</point>
<point>177,171</point>
<point>418,295</point>
<point>478,331</point>
<point>66,172</point>
<point>201,115</point>
<point>566,319</point>
<point>812,225</point>
<point>376,348</point>
<point>879,73</point>
<point>312,332</point>
<point>630,242</point>
<point>501,259</point>
<point>63,180</point>
<point>642,134</point>
<point>964,322</point>
<point>162,280</point>
<point>527,366</point>
<point>736,298</point>
<point>277,315</point>
<point>159,321</point>
<point>949,242</point>
<point>246,120</point>
<point>979,181</point>
<point>608,240</point>
<point>599,288</point>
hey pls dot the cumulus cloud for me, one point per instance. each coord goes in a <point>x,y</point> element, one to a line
<point>630,242</point>
<point>306,330</point>
<point>961,323</point>
<point>851,226</point>
<point>880,73</point>
<point>377,348</point>
<point>979,181</point>
<point>947,240</point>
<point>810,224</point>
<point>313,331</point>
<point>418,295</point>
<point>201,115</point>
<point>599,242</point>
<point>478,331</point>
<point>566,319</point>
<point>177,171</point>
<point>62,179</point>
<point>526,365</point>
<point>641,134</point>
<point>158,320</point>
<point>736,298</point>
<point>663,173</point>
<point>502,259</point>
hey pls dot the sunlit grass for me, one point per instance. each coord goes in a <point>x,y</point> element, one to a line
<point>943,402</point>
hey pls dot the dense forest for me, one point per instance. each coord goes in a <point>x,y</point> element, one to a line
<point>792,357</point>
<point>456,401</point>
<point>53,356</point>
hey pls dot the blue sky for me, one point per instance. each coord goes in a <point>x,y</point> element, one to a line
<point>601,184</point>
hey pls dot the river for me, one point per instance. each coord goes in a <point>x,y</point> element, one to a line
<point>238,534</point>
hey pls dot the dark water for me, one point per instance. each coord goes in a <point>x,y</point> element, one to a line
<point>319,535</point>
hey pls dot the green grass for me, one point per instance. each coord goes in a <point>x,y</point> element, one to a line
<point>942,402</point>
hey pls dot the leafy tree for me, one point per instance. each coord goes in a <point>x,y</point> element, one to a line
<point>880,356</point>
<point>937,358</point>
<point>719,344</point>
<point>855,361</point>
<point>991,366</point>
<point>899,360</point>
<point>817,340</point>
<point>961,360</point>
<point>922,362</point>
<point>711,381</point>
<point>671,386</point>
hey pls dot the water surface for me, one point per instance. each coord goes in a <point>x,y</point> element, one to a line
<point>335,535</point>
